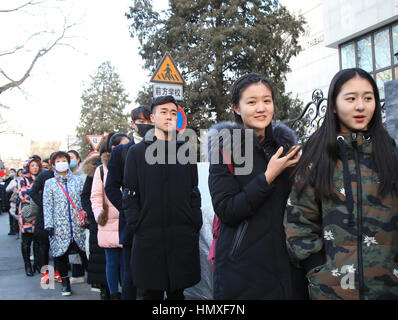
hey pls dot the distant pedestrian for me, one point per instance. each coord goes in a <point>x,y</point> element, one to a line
<point>13,212</point>
<point>32,169</point>
<point>6,196</point>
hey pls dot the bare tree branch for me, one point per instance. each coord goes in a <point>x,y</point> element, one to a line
<point>31,2</point>
<point>19,47</point>
<point>39,54</point>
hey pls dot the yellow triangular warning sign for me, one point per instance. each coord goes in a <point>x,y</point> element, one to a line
<point>167,72</point>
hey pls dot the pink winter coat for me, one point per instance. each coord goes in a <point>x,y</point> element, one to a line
<point>108,235</point>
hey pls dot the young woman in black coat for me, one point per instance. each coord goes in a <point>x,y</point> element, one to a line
<point>249,197</point>
<point>96,270</point>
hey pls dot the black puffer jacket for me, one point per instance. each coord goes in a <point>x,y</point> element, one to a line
<point>36,193</point>
<point>96,271</point>
<point>251,260</point>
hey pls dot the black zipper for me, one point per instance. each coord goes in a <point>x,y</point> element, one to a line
<point>359,210</point>
<point>239,235</point>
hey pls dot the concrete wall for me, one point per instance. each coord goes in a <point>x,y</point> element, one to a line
<point>347,19</point>
<point>316,65</point>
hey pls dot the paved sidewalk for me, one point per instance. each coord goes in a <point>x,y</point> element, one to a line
<point>15,285</point>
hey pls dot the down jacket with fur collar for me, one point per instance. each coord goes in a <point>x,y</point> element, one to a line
<point>251,260</point>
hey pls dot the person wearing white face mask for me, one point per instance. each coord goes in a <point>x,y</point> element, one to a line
<point>74,165</point>
<point>66,235</point>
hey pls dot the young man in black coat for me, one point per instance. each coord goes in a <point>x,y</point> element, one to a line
<point>163,209</point>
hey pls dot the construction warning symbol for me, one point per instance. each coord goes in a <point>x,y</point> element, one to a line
<point>167,72</point>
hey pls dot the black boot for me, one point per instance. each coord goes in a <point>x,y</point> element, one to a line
<point>28,269</point>
<point>116,296</point>
<point>11,221</point>
<point>25,248</point>
<point>104,295</point>
<point>66,291</point>
<point>36,266</point>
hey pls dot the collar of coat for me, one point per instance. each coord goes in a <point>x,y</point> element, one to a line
<point>105,158</point>
<point>67,178</point>
<point>90,164</point>
<point>363,140</point>
<point>281,135</point>
<point>150,138</point>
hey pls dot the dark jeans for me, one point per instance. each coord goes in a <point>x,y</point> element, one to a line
<point>62,261</point>
<point>129,291</point>
<point>159,295</point>
<point>114,268</point>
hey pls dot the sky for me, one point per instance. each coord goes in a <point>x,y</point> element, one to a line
<point>48,108</point>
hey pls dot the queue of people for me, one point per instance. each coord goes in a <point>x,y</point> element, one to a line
<point>318,222</point>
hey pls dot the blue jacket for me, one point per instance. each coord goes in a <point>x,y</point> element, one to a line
<point>114,181</point>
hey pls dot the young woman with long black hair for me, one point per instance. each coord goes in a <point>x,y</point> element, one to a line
<point>342,221</point>
<point>251,260</point>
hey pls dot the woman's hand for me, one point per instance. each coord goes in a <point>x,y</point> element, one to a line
<point>277,165</point>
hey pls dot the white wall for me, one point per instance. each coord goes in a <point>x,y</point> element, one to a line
<point>347,19</point>
<point>316,65</point>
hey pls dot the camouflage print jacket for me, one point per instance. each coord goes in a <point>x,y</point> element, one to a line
<point>348,245</point>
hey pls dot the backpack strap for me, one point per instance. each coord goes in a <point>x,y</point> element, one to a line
<point>216,221</point>
<point>228,161</point>
<point>125,149</point>
<point>101,172</point>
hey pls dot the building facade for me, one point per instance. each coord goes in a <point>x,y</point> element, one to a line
<point>343,34</point>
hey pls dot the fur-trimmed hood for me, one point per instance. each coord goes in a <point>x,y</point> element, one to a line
<point>90,164</point>
<point>105,158</point>
<point>281,136</point>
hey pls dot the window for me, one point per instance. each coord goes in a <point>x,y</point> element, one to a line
<point>348,56</point>
<point>395,41</point>
<point>364,53</point>
<point>374,53</point>
<point>382,49</point>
